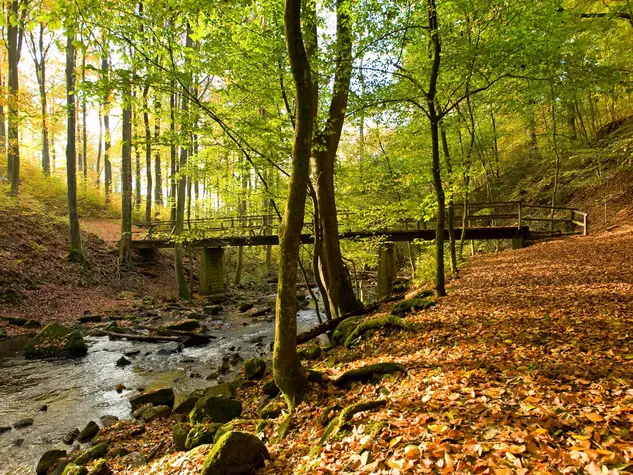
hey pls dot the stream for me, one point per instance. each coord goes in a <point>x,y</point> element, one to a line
<point>77,391</point>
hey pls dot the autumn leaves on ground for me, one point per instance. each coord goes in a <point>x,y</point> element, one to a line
<point>526,367</point>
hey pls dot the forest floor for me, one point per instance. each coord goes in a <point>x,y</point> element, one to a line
<point>525,367</point>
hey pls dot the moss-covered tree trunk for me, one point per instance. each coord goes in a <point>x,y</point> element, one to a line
<point>107,165</point>
<point>76,252</point>
<point>125,250</point>
<point>286,367</point>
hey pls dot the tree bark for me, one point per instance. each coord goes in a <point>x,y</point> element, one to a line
<point>451,206</point>
<point>286,368</point>
<point>107,165</point>
<point>148,156</point>
<point>172,156</point>
<point>125,247</point>
<point>13,48</point>
<point>76,252</point>
<point>158,187</point>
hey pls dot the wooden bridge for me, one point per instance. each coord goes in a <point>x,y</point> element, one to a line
<point>509,220</point>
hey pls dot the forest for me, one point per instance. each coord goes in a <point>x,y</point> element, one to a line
<point>316,236</point>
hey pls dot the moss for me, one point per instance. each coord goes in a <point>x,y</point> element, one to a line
<point>270,388</point>
<point>271,410</point>
<point>262,424</point>
<point>179,436</point>
<point>235,453</point>
<point>412,305</point>
<point>366,373</point>
<point>215,409</point>
<point>73,469</point>
<point>254,368</point>
<point>284,428</point>
<point>55,340</point>
<point>388,321</point>
<point>201,434</point>
<point>346,415</point>
<point>344,328</point>
<point>312,352</point>
<point>94,453</point>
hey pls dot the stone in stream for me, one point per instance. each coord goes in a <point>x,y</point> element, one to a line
<point>122,362</point>
<point>254,369</point>
<point>258,311</point>
<point>89,432</point>
<point>171,348</point>
<point>108,420</point>
<point>184,325</point>
<point>164,397</point>
<point>48,460</point>
<point>236,453</point>
<point>4,429</point>
<point>246,306</point>
<point>55,340</point>
<point>43,408</point>
<point>93,453</point>
<point>235,358</point>
<point>71,436</point>
<point>157,412</point>
<point>90,319</point>
<point>139,412</point>
<point>212,309</point>
<point>215,409</point>
<point>132,353</point>
<point>22,423</point>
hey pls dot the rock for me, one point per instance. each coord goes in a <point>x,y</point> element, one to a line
<point>88,432</point>
<point>133,460</point>
<point>196,316</point>
<point>122,362</point>
<point>236,453</point>
<point>90,319</point>
<point>179,436</point>
<point>3,333</point>
<point>48,460</point>
<point>345,328</point>
<point>268,300</point>
<point>225,390</point>
<point>101,468</point>
<point>159,397</point>
<point>212,309</point>
<point>139,412</point>
<point>71,436</point>
<point>217,299</point>
<point>235,359</point>
<point>4,429</point>
<point>72,469</point>
<point>55,340</point>
<point>180,418</point>
<point>271,410</point>
<point>245,306</point>
<point>119,452</point>
<point>43,408</point>
<point>18,442</point>
<point>411,305</point>
<point>15,321</point>
<point>158,412</point>
<point>258,311</point>
<point>254,369</point>
<point>132,353</point>
<point>171,348</point>
<point>93,453</point>
<point>196,340</point>
<point>270,388</point>
<point>314,376</point>
<point>184,325</point>
<point>22,423</point>
<point>60,466</point>
<point>215,409</point>
<point>257,339</point>
<point>201,434</point>
<point>108,421</point>
<point>32,324</point>
<point>186,406</point>
<point>312,352</point>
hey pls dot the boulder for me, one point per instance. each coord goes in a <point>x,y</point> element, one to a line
<point>122,362</point>
<point>225,390</point>
<point>236,453</point>
<point>271,410</point>
<point>159,397</point>
<point>60,466</point>
<point>71,436</point>
<point>48,460</point>
<point>89,432</point>
<point>138,413</point>
<point>179,436</point>
<point>254,368</point>
<point>93,453</point>
<point>108,421</point>
<point>215,409</point>
<point>212,309</point>
<point>101,468</point>
<point>156,412</point>
<point>90,318</point>
<point>345,328</point>
<point>55,340</point>
<point>22,423</point>
<point>186,406</point>
<point>133,460</point>
<point>72,469</point>
<point>4,429</point>
<point>312,352</point>
<point>201,434</point>
<point>184,325</point>
<point>270,388</point>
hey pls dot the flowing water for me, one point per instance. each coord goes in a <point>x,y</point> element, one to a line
<point>77,391</point>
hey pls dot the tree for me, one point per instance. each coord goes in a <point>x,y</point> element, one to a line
<point>125,250</point>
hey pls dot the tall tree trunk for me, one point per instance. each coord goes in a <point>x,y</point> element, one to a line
<point>76,252</point>
<point>14,37</point>
<point>125,249</point>
<point>3,127</point>
<point>84,118</point>
<point>158,189</point>
<point>99,147</point>
<point>39,60</point>
<point>148,156</point>
<point>172,156</point>
<point>340,291</point>
<point>107,165</point>
<point>286,368</point>
<point>451,206</point>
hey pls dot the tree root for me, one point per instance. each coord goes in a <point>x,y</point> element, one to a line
<point>346,415</point>
<point>388,321</point>
<point>366,373</point>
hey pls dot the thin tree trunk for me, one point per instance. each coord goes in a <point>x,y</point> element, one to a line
<point>107,165</point>
<point>13,48</point>
<point>84,115</point>
<point>556,153</point>
<point>286,368</point>
<point>99,147</point>
<point>148,156</point>
<point>451,206</point>
<point>76,252</point>
<point>125,250</point>
<point>158,190</point>
<point>172,156</point>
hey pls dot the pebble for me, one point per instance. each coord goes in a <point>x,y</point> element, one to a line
<point>23,423</point>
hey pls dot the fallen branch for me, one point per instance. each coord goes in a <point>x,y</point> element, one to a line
<point>331,324</point>
<point>148,338</point>
<point>390,321</point>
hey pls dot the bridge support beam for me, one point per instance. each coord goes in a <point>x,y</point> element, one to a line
<point>386,268</point>
<point>518,241</point>
<point>212,271</point>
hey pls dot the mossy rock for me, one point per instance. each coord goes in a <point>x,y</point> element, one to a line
<point>412,305</point>
<point>73,469</point>
<point>159,397</point>
<point>179,436</point>
<point>254,369</point>
<point>224,390</point>
<point>236,453</point>
<point>186,406</point>
<point>184,325</point>
<point>101,468</point>
<point>310,353</point>
<point>94,453</point>
<point>314,376</point>
<point>270,388</point>
<point>48,460</point>
<point>201,434</point>
<point>271,410</point>
<point>228,427</point>
<point>215,409</point>
<point>55,340</point>
<point>344,329</point>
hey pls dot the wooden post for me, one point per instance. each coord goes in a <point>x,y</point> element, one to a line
<point>518,241</point>
<point>520,216</point>
<point>212,271</point>
<point>386,269</point>
<point>585,220</point>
